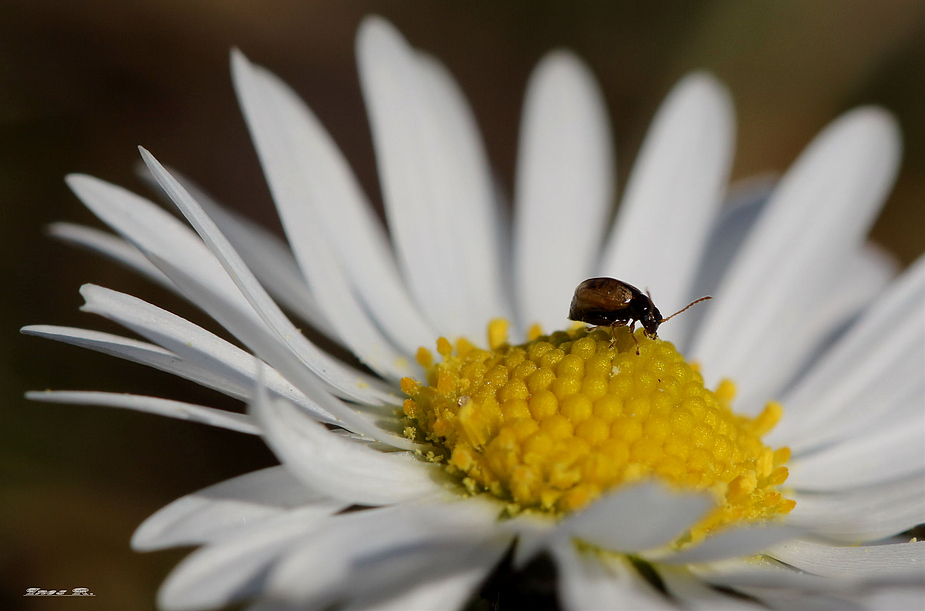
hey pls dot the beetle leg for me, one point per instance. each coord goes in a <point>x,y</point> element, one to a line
<point>633,335</point>
<point>613,328</point>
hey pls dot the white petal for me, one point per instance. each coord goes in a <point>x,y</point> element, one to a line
<point>895,598</point>
<point>638,518</point>
<point>198,347</point>
<point>110,246</point>
<point>159,235</point>
<point>897,395</point>
<point>818,215</point>
<point>778,586</point>
<point>673,194</point>
<point>864,274</point>
<point>890,452</point>
<point>236,567</point>
<point>467,182</point>
<point>732,224</point>
<point>766,578</point>
<point>277,355</point>
<point>765,573</point>
<point>338,466</point>
<point>152,405</point>
<point>153,230</point>
<point>379,356</point>
<point>698,595</point>
<point>790,600</point>
<point>144,353</point>
<point>781,587</point>
<point>855,282</point>
<point>745,541</point>
<point>213,513</point>
<point>425,180</point>
<point>862,514</point>
<point>431,576</point>
<point>897,560</point>
<point>862,367</point>
<point>334,234</point>
<point>437,592</point>
<point>356,539</point>
<point>564,188</point>
<point>533,533</point>
<point>305,368</point>
<point>264,253</point>
<point>588,583</point>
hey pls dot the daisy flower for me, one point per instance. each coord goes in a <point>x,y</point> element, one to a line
<point>651,479</point>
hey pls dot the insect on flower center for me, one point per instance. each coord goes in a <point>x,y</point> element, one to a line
<point>552,424</point>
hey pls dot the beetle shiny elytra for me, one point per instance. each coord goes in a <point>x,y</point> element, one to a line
<point>608,301</point>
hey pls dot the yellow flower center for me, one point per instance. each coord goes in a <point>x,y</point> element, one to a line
<point>551,424</point>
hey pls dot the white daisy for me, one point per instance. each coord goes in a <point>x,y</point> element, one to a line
<point>535,448</point>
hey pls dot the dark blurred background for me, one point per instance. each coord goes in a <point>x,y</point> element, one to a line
<point>82,83</point>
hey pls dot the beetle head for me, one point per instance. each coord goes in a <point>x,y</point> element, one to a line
<point>650,320</point>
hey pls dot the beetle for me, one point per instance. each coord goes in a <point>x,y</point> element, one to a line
<point>608,301</point>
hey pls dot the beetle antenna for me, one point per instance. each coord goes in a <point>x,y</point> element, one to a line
<point>696,301</point>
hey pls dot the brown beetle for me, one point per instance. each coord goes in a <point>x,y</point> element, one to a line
<point>608,301</point>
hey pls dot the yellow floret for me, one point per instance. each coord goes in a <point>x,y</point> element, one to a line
<point>552,424</point>
<point>497,333</point>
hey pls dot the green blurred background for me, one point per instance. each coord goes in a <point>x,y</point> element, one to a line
<point>82,83</point>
